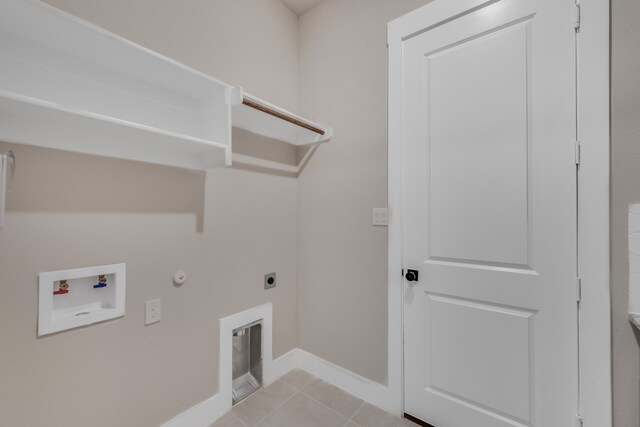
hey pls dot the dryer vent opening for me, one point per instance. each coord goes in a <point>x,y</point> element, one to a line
<point>247,360</point>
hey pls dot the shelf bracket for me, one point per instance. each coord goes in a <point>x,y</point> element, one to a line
<point>7,170</point>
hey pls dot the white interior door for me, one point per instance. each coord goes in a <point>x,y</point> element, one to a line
<point>489,215</point>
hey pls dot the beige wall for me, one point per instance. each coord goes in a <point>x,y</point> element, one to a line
<point>342,257</point>
<point>625,189</point>
<point>225,229</point>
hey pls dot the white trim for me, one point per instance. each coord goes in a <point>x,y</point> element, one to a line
<point>427,16</point>
<point>395,339</point>
<point>284,364</point>
<point>593,105</point>
<point>593,232</point>
<point>202,414</point>
<point>357,385</point>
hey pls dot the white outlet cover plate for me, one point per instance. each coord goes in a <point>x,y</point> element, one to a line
<point>380,217</point>
<point>152,311</point>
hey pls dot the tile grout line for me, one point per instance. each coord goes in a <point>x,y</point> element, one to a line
<point>300,391</point>
<point>281,403</point>
<point>350,419</point>
<point>356,413</point>
<point>296,391</point>
<point>322,404</point>
<point>236,417</point>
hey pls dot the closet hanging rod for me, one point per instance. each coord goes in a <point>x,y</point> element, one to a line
<point>278,114</point>
<point>260,117</point>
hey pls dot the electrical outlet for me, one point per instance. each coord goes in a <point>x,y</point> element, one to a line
<point>380,216</point>
<point>152,311</point>
<point>270,280</point>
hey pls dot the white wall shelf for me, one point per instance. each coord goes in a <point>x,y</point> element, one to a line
<point>36,122</point>
<point>70,85</point>
<point>258,116</point>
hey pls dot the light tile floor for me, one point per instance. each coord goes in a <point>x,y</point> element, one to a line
<point>298,399</point>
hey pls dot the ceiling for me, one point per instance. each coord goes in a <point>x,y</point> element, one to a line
<point>300,7</point>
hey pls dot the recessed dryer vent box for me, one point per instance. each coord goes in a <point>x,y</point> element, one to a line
<point>78,297</point>
<point>247,360</point>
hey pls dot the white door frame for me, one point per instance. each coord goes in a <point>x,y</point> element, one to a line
<point>593,194</point>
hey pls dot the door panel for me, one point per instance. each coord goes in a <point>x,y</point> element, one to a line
<point>489,216</point>
<point>460,348</point>
<point>470,85</point>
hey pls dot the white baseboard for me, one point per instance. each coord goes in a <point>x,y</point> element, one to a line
<point>284,364</point>
<point>200,415</point>
<point>216,406</point>
<point>357,385</point>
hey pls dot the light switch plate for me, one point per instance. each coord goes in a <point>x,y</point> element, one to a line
<point>152,311</point>
<point>380,217</point>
